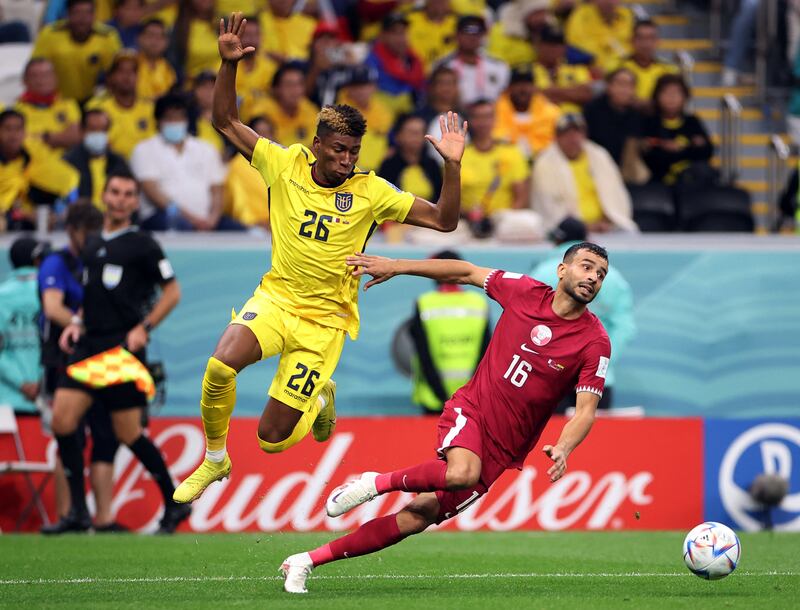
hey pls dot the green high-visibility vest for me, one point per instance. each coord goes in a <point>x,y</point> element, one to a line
<point>454,324</point>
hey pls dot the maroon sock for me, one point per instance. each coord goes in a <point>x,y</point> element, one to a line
<point>372,536</point>
<point>429,476</point>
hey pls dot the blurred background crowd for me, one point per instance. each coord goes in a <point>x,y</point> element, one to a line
<point>577,109</point>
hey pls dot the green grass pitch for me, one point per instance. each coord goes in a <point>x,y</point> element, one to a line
<point>490,571</point>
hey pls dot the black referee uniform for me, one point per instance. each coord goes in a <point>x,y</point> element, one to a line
<point>121,273</point>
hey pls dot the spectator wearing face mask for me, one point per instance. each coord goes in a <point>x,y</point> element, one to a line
<point>131,117</point>
<point>93,159</point>
<point>181,176</point>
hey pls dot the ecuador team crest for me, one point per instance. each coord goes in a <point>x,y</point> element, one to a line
<point>344,201</point>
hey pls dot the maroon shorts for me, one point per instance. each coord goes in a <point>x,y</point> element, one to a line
<point>461,426</point>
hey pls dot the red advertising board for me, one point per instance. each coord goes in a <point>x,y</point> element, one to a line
<point>628,474</point>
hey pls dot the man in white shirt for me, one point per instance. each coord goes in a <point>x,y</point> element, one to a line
<point>480,77</point>
<point>181,176</point>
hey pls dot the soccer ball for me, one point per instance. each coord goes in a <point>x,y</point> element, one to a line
<point>711,550</point>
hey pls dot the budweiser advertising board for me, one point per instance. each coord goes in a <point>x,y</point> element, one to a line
<point>628,474</point>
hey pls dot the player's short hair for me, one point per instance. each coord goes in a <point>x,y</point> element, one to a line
<point>122,175</point>
<point>342,119</point>
<point>84,216</point>
<point>585,245</point>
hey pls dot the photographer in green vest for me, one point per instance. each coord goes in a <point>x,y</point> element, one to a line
<point>450,330</point>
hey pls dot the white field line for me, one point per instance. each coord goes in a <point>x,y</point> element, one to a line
<point>178,579</point>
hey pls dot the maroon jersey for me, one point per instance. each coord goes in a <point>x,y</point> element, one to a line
<point>534,359</point>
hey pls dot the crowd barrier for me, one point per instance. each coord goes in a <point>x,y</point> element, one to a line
<point>629,474</point>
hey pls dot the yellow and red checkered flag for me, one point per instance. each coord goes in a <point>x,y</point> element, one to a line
<point>112,367</point>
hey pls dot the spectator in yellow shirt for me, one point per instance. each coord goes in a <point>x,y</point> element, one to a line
<point>604,29</point>
<point>294,116</point>
<point>156,76</point>
<point>80,49</point>
<point>48,117</point>
<point>131,117</point>
<point>286,33</point>
<point>432,31</point>
<point>203,90</point>
<point>644,63</point>
<point>194,37</point>
<point>359,92</point>
<point>244,196</point>
<point>29,174</point>
<point>411,168</point>
<point>569,86</point>
<point>517,29</point>
<point>525,117</point>
<point>494,174</point>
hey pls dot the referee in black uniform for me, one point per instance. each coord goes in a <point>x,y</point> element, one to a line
<point>123,267</point>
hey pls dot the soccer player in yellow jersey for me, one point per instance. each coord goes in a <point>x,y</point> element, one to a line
<point>322,208</point>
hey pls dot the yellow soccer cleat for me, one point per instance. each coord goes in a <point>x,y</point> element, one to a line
<point>325,423</point>
<point>196,483</point>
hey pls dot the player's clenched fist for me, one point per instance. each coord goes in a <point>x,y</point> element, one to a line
<point>230,38</point>
<point>559,456</point>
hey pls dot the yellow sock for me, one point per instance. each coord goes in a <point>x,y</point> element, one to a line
<point>300,431</point>
<point>217,401</point>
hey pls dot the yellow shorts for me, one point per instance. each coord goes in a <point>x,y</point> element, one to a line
<point>309,351</point>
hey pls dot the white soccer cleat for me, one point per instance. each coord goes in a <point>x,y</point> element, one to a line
<point>295,570</point>
<point>353,493</point>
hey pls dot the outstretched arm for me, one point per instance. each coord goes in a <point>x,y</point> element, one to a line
<point>573,433</point>
<point>225,115</point>
<point>443,215</point>
<point>444,270</point>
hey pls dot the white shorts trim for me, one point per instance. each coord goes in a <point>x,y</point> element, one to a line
<point>461,421</point>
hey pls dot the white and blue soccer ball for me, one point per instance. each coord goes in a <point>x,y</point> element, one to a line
<point>711,550</point>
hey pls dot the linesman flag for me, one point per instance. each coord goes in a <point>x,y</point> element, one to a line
<point>112,367</point>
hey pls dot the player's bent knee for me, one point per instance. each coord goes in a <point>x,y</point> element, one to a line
<point>218,372</point>
<point>462,476</point>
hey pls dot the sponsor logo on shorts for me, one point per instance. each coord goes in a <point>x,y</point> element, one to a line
<point>295,396</point>
<point>249,315</point>
<point>344,201</point>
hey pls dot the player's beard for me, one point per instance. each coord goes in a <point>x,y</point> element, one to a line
<point>573,293</point>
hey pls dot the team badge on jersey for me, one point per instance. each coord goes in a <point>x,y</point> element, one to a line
<point>541,335</point>
<point>344,201</point>
<point>249,315</point>
<point>112,274</point>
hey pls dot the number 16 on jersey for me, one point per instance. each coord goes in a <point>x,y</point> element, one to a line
<point>518,370</point>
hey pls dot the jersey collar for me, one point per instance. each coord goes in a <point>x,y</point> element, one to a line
<point>115,234</point>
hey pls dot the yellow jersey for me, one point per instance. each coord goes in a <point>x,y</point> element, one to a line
<point>288,129</point>
<point>254,82</point>
<point>154,79</point>
<point>431,40</point>
<point>608,42</point>
<point>646,78</point>
<point>37,166</point>
<point>244,193</point>
<point>49,119</point>
<point>566,75</point>
<point>314,228</point>
<point>531,131</point>
<point>77,65</point>
<point>588,200</point>
<point>288,37</point>
<point>512,50</point>
<point>129,126</point>
<point>487,176</point>
<point>201,50</point>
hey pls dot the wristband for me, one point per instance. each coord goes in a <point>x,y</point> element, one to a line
<point>77,320</point>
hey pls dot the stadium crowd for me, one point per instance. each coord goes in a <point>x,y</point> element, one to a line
<point>550,87</point>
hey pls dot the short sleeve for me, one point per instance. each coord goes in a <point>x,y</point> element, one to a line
<point>270,159</point>
<point>144,163</point>
<point>502,286</point>
<point>594,366</point>
<point>157,267</point>
<point>518,167</point>
<point>388,201</point>
<point>214,167</point>
<point>52,274</point>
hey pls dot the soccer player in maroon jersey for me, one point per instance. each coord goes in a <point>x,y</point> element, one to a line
<point>546,343</point>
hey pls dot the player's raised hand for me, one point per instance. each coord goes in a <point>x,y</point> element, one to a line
<point>230,38</point>
<point>379,267</point>
<point>451,145</point>
<point>559,457</point>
